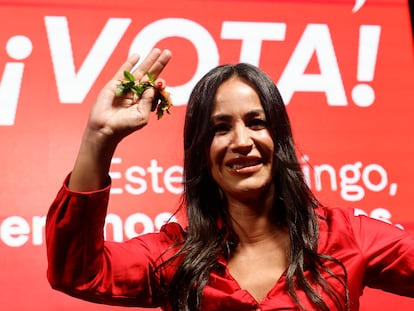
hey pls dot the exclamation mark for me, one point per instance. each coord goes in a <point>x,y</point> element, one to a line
<point>19,48</point>
<point>363,94</point>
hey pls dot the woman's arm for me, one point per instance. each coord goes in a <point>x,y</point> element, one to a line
<point>388,252</point>
<point>111,119</point>
<point>80,262</point>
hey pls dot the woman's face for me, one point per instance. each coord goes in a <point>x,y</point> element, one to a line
<point>241,152</point>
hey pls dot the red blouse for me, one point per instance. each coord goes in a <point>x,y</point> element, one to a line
<point>82,264</point>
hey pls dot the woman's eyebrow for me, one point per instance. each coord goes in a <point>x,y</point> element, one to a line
<point>221,117</point>
<point>227,117</point>
<point>254,113</point>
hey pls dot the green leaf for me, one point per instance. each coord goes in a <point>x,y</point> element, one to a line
<point>160,103</point>
<point>129,76</point>
<point>150,77</point>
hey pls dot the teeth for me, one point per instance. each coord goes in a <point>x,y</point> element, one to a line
<point>242,165</point>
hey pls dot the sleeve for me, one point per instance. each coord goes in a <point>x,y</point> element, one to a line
<point>389,255</point>
<point>83,265</point>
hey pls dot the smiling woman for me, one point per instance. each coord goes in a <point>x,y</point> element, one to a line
<point>257,238</point>
<point>59,54</point>
<point>241,152</point>
<point>266,207</point>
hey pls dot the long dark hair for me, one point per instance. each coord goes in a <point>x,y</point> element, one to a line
<point>294,206</point>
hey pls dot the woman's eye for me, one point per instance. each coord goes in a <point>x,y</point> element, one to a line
<point>257,124</point>
<point>220,129</point>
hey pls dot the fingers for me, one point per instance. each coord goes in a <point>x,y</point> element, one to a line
<point>160,63</point>
<point>127,66</point>
<point>154,63</point>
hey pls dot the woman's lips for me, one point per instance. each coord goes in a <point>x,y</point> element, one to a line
<point>238,164</point>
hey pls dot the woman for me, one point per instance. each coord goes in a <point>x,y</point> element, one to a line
<point>257,238</point>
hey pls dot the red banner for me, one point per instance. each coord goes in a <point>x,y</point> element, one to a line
<point>345,70</point>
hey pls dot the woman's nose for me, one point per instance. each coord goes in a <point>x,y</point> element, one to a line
<point>242,141</point>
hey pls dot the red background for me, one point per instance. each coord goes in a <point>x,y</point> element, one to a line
<point>39,147</point>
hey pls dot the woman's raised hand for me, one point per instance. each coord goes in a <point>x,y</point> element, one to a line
<point>114,117</point>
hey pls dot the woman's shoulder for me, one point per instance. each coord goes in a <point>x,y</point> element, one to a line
<point>171,233</point>
<point>335,214</point>
<point>354,224</point>
<point>173,230</point>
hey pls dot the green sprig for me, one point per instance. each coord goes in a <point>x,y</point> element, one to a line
<point>129,84</point>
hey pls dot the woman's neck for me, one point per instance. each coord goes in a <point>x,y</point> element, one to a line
<point>251,219</point>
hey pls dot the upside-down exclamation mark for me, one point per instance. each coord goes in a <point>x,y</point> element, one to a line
<point>18,48</point>
<point>363,94</point>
